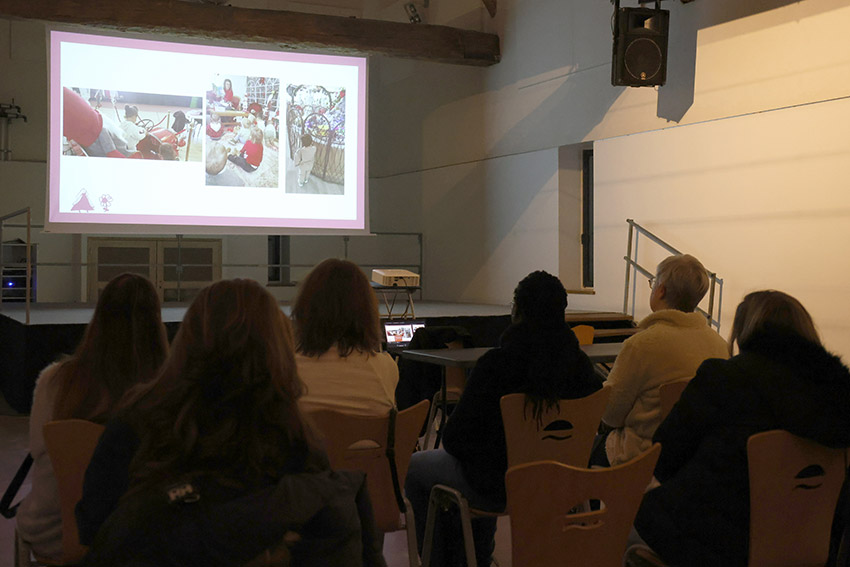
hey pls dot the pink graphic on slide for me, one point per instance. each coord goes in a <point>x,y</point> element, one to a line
<point>83,203</point>
<point>105,201</point>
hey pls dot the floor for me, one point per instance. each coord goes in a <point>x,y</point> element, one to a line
<point>13,448</point>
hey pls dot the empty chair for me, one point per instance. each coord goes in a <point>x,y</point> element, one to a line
<point>371,445</point>
<point>584,334</point>
<point>564,434</point>
<point>670,394</point>
<point>70,444</point>
<point>546,529</point>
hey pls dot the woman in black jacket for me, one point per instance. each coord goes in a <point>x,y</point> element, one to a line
<point>783,378</point>
<point>538,355</point>
<point>212,462</point>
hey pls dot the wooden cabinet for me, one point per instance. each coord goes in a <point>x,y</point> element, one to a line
<point>178,268</point>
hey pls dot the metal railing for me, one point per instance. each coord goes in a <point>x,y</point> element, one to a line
<point>633,268</point>
<point>179,265</point>
<point>26,211</point>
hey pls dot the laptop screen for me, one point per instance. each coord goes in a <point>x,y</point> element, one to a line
<point>398,334</point>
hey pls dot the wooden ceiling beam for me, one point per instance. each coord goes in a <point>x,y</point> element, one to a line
<point>289,30</point>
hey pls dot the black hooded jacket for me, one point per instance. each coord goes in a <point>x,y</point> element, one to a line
<point>531,359</point>
<point>700,513</point>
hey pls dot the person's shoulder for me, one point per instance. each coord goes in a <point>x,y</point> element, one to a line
<point>48,378</point>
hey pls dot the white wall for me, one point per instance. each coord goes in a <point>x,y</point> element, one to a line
<point>761,199</point>
<point>462,136</point>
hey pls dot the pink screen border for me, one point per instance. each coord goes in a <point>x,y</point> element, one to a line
<point>54,216</point>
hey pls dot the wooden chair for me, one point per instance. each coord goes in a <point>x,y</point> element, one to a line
<point>584,334</point>
<point>565,434</point>
<point>455,378</point>
<point>70,444</point>
<point>670,394</point>
<point>542,501</point>
<point>361,443</point>
<point>794,487</point>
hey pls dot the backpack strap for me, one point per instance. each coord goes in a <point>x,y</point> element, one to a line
<point>6,509</point>
<point>391,458</point>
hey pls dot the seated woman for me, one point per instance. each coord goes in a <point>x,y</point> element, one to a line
<point>782,378</point>
<point>212,463</point>
<point>124,344</point>
<point>538,355</point>
<point>337,334</point>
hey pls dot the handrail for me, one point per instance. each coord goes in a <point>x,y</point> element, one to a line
<point>180,265</point>
<point>715,293</point>
<point>3,219</point>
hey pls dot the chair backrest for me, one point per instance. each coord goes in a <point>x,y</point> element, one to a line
<point>670,394</point>
<point>794,486</point>
<point>542,495</point>
<point>584,334</point>
<point>564,434</point>
<point>360,443</point>
<point>70,444</point>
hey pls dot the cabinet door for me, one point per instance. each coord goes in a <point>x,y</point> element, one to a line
<point>184,270</point>
<point>109,257</point>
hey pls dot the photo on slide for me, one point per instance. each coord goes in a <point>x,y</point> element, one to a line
<point>241,131</point>
<point>315,127</point>
<point>121,124</point>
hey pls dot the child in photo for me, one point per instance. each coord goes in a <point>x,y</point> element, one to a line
<point>245,131</point>
<point>133,133</point>
<point>214,129</point>
<point>251,154</point>
<point>168,152</point>
<point>304,159</point>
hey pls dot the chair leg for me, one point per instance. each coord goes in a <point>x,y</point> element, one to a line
<point>410,527</point>
<point>432,413</point>
<point>641,556</point>
<point>23,552</point>
<point>468,540</point>
<point>444,497</point>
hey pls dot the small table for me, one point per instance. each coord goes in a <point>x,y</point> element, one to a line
<point>600,353</point>
<point>393,290</point>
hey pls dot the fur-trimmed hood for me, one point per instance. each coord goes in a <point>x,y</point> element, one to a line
<point>806,386</point>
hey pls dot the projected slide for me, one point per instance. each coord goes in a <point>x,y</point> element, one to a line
<point>149,136</point>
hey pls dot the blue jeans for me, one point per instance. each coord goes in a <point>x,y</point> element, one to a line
<point>428,468</point>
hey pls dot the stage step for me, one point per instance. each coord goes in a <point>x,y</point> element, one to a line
<point>609,327</point>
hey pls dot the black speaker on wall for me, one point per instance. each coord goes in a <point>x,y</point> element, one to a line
<point>640,47</point>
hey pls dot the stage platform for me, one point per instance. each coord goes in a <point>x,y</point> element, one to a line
<point>80,313</point>
<point>56,329</point>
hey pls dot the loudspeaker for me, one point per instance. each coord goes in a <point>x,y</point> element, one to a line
<point>640,47</point>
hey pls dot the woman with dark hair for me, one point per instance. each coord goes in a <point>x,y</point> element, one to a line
<point>337,336</point>
<point>782,378</point>
<point>539,356</point>
<point>123,345</point>
<point>216,448</point>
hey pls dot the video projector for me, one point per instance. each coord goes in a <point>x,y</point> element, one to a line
<point>399,278</point>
